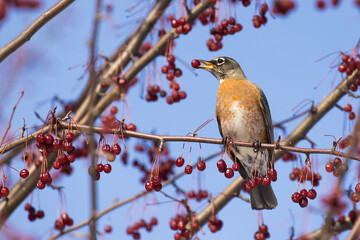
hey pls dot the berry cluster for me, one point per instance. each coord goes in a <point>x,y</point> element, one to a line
<point>171,72</point>
<point>134,229</point>
<point>47,144</point>
<point>94,172</point>
<point>226,27</point>
<point>45,179</point>
<point>348,107</point>
<point>122,82</point>
<point>214,223</point>
<point>208,16</point>
<point>110,121</point>
<point>152,91</point>
<point>188,168</point>
<point>228,172</point>
<point>164,168</point>
<point>249,185</point>
<point>355,196</point>
<point>179,223</point>
<point>302,175</point>
<point>337,167</point>
<point>63,221</point>
<point>321,4</point>
<point>283,7</point>
<point>181,25</point>
<point>261,19</point>
<point>262,233</point>
<point>349,64</point>
<point>200,195</point>
<point>33,214</point>
<point>302,197</point>
<point>153,184</point>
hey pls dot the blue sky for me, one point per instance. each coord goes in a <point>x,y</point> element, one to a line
<point>279,57</point>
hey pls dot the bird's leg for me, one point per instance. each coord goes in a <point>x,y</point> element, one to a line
<point>256,145</point>
<point>225,140</point>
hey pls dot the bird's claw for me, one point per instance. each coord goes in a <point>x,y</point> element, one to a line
<point>256,145</point>
<point>225,140</point>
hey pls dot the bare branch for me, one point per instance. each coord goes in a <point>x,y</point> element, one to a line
<point>33,28</point>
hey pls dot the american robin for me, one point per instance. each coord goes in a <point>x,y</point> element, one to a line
<point>243,114</point>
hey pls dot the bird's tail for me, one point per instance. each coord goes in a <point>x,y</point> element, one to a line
<point>263,197</point>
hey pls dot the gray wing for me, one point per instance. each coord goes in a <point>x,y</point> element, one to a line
<point>267,118</point>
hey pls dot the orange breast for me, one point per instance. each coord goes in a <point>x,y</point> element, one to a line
<point>238,106</point>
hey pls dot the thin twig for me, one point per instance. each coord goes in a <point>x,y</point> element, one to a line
<point>12,115</point>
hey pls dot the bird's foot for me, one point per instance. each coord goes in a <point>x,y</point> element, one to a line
<point>256,145</point>
<point>225,140</point>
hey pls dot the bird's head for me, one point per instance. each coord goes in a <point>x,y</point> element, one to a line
<point>223,68</point>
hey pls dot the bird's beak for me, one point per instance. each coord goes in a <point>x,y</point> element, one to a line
<point>207,65</point>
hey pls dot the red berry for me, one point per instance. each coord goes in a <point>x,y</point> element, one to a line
<point>329,167</point>
<point>59,224</point>
<point>229,173</point>
<point>342,68</point>
<point>115,149</point>
<point>107,168</point>
<point>171,59</point>
<point>99,167</point>
<point>188,169</point>
<point>49,139</point>
<point>24,173</point>
<point>174,23</point>
<point>348,108</point>
<point>108,229</point>
<point>195,63</point>
<point>4,191</point>
<point>272,174</point>
<point>156,180</point>
<point>295,197</point>
<point>303,193</point>
<point>236,166</point>
<point>131,127</point>
<point>179,162</point>
<point>311,194</point>
<point>303,202</point>
<point>40,185</point>
<point>352,115</point>
<point>40,214</point>
<point>40,138</point>
<point>337,162</point>
<point>266,181</point>
<point>69,137</point>
<point>357,188</point>
<point>201,165</point>
<point>221,165</point>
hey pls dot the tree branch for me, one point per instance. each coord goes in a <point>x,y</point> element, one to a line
<point>141,63</point>
<point>33,28</point>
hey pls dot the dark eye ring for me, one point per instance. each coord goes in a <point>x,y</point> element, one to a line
<point>220,61</point>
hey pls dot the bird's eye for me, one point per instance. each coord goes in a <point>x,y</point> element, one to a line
<point>220,61</point>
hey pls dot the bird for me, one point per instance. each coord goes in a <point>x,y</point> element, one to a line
<point>243,114</point>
